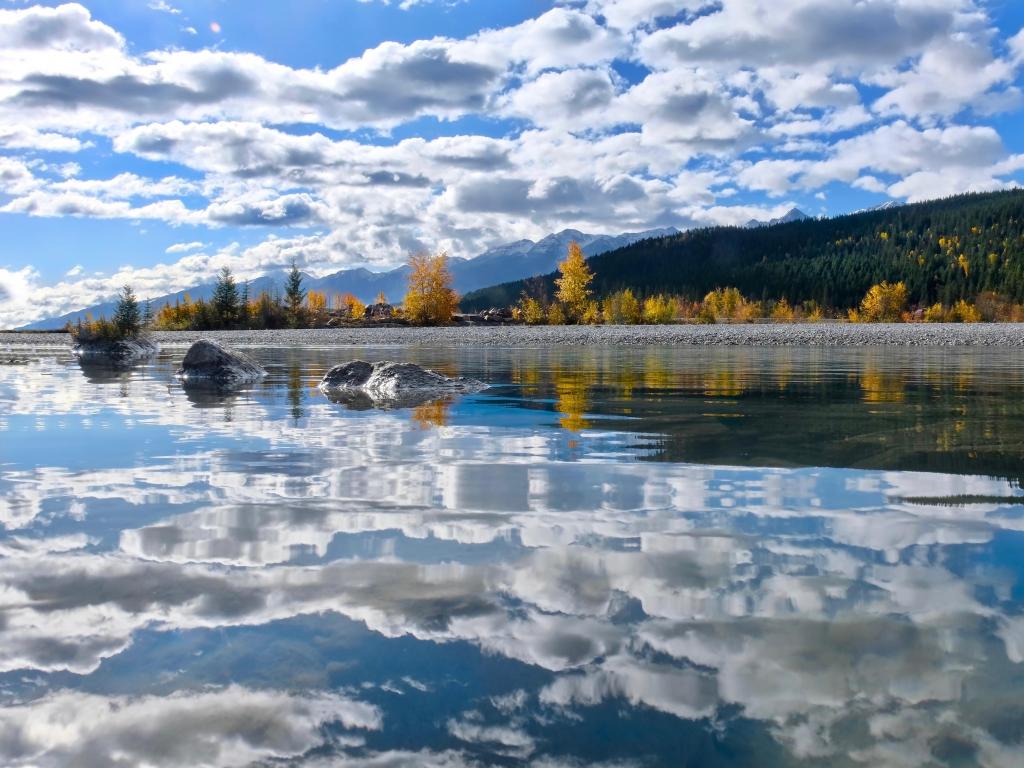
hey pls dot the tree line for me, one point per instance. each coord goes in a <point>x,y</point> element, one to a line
<point>944,251</point>
<point>429,300</point>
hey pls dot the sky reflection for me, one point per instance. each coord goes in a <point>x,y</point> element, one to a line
<point>587,562</point>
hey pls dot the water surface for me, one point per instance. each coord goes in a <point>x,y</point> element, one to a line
<point>659,557</point>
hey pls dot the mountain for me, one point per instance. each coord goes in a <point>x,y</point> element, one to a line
<point>944,250</point>
<point>887,206</point>
<point>795,214</point>
<point>512,261</point>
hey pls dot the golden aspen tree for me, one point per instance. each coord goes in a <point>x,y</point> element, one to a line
<point>883,303</point>
<point>430,298</point>
<point>574,283</point>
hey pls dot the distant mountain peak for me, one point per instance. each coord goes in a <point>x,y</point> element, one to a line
<point>794,214</point>
<point>886,206</point>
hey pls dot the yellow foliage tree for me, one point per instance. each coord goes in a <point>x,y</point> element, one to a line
<point>883,303</point>
<point>622,308</point>
<point>962,312</point>
<point>430,298</point>
<point>659,310</point>
<point>556,314</point>
<point>356,309</point>
<point>783,312</point>
<point>531,311</point>
<point>728,304</point>
<point>574,283</point>
<point>592,314</point>
<point>316,302</point>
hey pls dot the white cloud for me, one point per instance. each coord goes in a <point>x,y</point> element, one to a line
<point>186,247</point>
<point>164,7</point>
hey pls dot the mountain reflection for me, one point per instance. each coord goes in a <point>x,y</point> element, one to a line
<point>720,569</point>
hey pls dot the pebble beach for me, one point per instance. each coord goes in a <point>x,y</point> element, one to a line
<point>752,335</point>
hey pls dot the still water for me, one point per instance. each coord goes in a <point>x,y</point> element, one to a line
<point>661,557</point>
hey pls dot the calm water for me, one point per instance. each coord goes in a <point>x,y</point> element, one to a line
<point>676,557</point>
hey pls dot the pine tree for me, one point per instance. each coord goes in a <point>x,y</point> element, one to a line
<point>225,298</point>
<point>294,294</point>
<point>127,317</point>
<point>244,313</point>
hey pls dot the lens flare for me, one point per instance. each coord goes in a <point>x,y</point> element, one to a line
<point>215,27</point>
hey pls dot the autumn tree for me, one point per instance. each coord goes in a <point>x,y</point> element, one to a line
<point>883,303</point>
<point>622,308</point>
<point>574,283</point>
<point>430,298</point>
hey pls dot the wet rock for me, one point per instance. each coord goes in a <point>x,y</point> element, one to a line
<point>209,363</point>
<point>118,353</point>
<point>359,383</point>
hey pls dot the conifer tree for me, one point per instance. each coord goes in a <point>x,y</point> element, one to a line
<point>294,294</point>
<point>225,298</point>
<point>127,317</point>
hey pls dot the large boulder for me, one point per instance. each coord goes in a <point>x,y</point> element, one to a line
<point>392,384</point>
<point>380,311</point>
<point>117,353</point>
<point>209,363</point>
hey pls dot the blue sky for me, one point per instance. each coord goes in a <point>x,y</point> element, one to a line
<point>155,142</point>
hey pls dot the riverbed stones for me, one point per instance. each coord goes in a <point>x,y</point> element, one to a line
<point>209,363</point>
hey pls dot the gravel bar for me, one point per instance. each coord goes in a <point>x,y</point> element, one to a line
<point>753,335</point>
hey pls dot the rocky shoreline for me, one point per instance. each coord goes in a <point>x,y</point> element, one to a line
<point>752,335</point>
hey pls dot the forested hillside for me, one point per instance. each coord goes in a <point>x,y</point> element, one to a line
<point>943,250</point>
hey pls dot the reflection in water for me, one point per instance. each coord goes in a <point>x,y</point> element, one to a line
<point>729,557</point>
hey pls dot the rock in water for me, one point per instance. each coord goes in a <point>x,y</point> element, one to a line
<point>120,353</point>
<point>392,384</point>
<point>207,362</point>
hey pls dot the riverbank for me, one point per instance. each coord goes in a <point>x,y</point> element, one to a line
<point>763,335</point>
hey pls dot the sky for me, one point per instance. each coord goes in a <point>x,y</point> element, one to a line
<point>152,142</point>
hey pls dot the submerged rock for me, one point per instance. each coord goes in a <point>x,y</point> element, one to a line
<point>209,363</point>
<point>118,353</point>
<point>391,384</point>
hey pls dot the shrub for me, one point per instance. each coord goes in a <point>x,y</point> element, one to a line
<point>622,308</point>
<point>783,312</point>
<point>659,310</point>
<point>592,313</point>
<point>532,311</point>
<point>556,314</point>
<point>962,312</point>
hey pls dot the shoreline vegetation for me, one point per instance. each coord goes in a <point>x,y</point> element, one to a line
<point>431,301</point>
<point>949,261</point>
